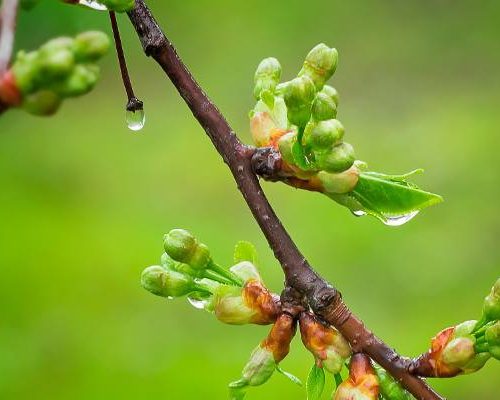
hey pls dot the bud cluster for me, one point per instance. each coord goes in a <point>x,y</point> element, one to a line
<point>299,119</point>
<point>465,348</point>
<point>236,295</point>
<point>64,67</point>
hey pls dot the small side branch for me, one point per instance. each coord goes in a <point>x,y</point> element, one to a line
<point>324,299</point>
<point>8,16</point>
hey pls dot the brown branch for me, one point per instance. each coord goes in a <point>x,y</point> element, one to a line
<point>325,300</point>
<point>8,16</point>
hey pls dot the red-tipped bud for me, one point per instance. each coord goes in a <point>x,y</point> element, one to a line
<point>327,345</point>
<point>362,383</point>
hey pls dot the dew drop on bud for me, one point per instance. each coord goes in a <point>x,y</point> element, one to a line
<point>399,220</point>
<point>197,303</point>
<point>93,4</point>
<point>359,213</point>
<point>135,119</point>
<point>170,297</point>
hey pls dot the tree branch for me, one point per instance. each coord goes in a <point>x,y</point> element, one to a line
<point>8,15</point>
<point>324,299</point>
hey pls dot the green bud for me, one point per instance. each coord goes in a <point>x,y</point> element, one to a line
<point>389,387</point>
<point>324,107</point>
<point>26,71</point>
<point>495,351</point>
<point>43,103</point>
<point>56,58</point>
<point>259,368</point>
<point>246,271</point>
<point>80,81</point>
<point>166,283</point>
<point>90,46</point>
<point>182,246</point>
<point>340,158</point>
<point>323,135</point>
<point>331,92</point>
<point>230,306</point>
<point>267,76</point>
<point>299,94</point>
<point>459,352</point>
<point>285,145</point>
<point>491,308</point>
<point>339,183</point>
<point>320,64</point>
<point>477,362</point>
<point>465,328</point>
<point>492,334</point>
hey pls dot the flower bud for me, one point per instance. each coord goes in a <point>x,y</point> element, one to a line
<point>299,94</point>
<point>43,103</point>
<point>492,336</point>
<point>80,81</point>
<point>327,345</point>
<point>331,92</point>
<point>90,46</point>
<point>320,64</point>
<point>267,76</point>
<point>323,107</point>
<point>261,126</point>
<point>182,246</point>
<point>56,58</point>
<point>339,183</point>
<point>271,351</point>
<point>390,389</point>
<point>285,146</point>
<point>458,352</point>
<point>9,90</point>
<point>362,383</point>
<point>26,71</point>
<point>323,135</point>
<point>166,283</point>
<point>340,158</point>
<point>252,304</point>
<point>246,271</point>
<point>491,308</point>
<point>452,353</point>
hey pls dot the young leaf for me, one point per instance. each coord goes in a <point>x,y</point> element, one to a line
<point>315,383</point>
<point>338,379</point>
<point>245,251</point>
<point>290,376</point>
<point>391,197</point>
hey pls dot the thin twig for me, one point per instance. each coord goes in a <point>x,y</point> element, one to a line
<point>133,103</point>
<point>299,275</point>
<point>8,16</point>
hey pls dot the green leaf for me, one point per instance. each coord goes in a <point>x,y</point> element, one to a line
<point>390,198</point>
<point>315,383</point>
<point>299,156</point>
<point>245,251</point>
<point>338,379</point>
<point>290,376</point>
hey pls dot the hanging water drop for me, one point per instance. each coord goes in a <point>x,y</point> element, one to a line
<point>359,213</point>
<point>135,119</point>
<point>170,297</point>
<point>399,220</point>
<point>95,5</point>
<point>197,302</point>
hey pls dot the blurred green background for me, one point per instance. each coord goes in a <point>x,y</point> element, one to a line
<point>84,202</point>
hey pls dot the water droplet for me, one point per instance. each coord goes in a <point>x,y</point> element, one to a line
<point>197,303</point>
<point>135,120</point>
<point>170,297</point>
<point>399,220</point>
<point>359,213</point>
<point>93,4</point>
